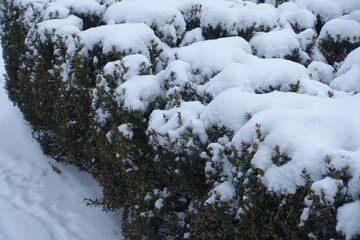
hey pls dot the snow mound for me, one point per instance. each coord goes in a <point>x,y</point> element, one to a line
<point>167,22</point>
<point>240,18</point>
<point>255,75</point>
<point>349,220</point>
<point>329,9</point>
<point>295,18</point>
<point>64,8</point>
<point>137,39</point>
<point>293,122</point>
<point>321,72</point>
<point>60,27</point>
<point>348,75</point>
<point>341,29</point>
<point>275,44</point>
<point>212,56</point>
<point>139,91</point>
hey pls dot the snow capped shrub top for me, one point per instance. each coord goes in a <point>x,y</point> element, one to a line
<point>341,29</point>
<point>138,92</point>
<point>137,39</point>
<point>348,75</point>
<point>61,27</point>
<point>202,55</point>
<point>329,9</point>
<point>240,17</point>
<point>275,44</point>
<point>64,8</point>
<point>293,17</point>
<point>167,22</point>
<point>257,75</point>
<point>352,59</point>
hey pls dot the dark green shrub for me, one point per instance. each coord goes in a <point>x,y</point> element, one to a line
<point>336,49</point>
<point>210,32</point>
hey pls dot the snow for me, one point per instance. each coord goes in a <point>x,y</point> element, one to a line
<point>159,203</point>
<point>349,219</point>
<point>64,8</point>
<point>224,190</point>
<point>354,15</point>
<point>167,21</point>
<point>347,77</point>
<point>327,189</point>
<point>137,39</point>
<point>321,72</point>
<point>348,81</point>
<point>125,130</point>
<point>192,36</point>
<point>212,56</point>
<point>341,28</point>
<point>293,17</point>
<point>294,122</point>
<point>35,201</point>
<point>174,122</point>
<point>256,74</point>
<point>62,27</point>
<point>139,91</point>
<point>275,44</point>
<point>329,9</point>
<point>352,59</point>
<point>240,17</point>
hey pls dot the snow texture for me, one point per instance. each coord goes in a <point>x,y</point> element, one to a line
<point>241,17</point>
<point>341,28</point>
<point>329,9</point>
<point>167,21</point>
<point>275,44</point>
<point>64,8</point>
<point>137,39</point>
<point>349,219</point>
<point>348,75</point>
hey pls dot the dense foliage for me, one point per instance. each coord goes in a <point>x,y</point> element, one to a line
<point>97,108</point>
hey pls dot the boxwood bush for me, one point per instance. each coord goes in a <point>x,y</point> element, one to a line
<point>164,186</point>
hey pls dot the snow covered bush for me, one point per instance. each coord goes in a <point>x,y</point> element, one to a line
<point>242,19</point>
<point>199,119</point>
<point>338,38</point>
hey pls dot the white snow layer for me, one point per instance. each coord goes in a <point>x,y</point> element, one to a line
<point>169,22</point>
<point>275,44</point>
<point>349,219</point>
<point>128,38</point>
<point>341,28</point>
<point>348,75</point>
<point>329,9</point>
<point>64,8</point>
<point>35,201</point>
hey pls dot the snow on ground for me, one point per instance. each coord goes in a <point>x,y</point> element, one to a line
<point>35,201</point>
